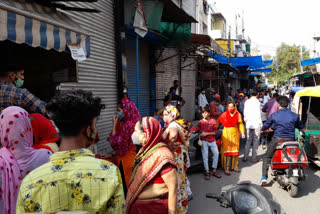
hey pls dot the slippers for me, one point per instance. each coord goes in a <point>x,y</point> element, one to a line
<point>227,173</point>
<point>237,170</point>
<point>216,174</point>
<point>207,176</point>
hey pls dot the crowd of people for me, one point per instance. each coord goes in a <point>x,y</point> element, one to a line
<point>48,163</point>
<point>258,117</point>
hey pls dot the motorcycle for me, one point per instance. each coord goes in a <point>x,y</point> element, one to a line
<point>247,198</point>
<point>288,164</point>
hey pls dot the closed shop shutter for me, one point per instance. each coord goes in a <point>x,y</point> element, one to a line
<point>98,72</point>
<point>144,75</point>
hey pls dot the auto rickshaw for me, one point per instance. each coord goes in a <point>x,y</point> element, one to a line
<point>306,103</point>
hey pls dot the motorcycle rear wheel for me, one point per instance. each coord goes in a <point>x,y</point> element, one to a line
<point>293,190</point>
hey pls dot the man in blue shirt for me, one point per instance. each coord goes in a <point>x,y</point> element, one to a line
<point>284,122</point>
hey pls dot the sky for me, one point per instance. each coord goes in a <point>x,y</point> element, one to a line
<point>269,23</point>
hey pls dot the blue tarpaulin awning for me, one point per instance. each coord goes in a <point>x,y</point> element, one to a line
<point>264,64</point>
<point>310,61</point>
<point>254,62</point>
<point>265,70</point>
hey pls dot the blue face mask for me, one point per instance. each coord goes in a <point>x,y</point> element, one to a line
<point>120,116</point>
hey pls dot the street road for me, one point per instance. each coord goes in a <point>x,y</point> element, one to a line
<point>308,201</point>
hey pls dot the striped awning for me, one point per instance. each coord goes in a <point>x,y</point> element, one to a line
<point>39,26</point>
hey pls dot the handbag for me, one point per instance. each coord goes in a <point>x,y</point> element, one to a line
<point>199,142</point>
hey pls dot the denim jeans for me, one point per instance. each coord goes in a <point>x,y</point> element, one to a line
<point>205,153</point>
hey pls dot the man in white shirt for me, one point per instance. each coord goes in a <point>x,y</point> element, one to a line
<point>252,118</point>
<point>202,100</point>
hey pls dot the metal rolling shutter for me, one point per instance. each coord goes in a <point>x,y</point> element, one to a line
<point>144,75</point>
<point>98,72</point>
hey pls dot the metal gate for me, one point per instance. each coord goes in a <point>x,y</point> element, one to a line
<point>143,103</point>
<point>98,73</point>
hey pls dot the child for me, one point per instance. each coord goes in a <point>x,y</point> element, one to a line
<point>158,114</point>
<point>208,130</point>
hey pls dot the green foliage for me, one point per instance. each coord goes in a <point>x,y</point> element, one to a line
<point>287,63</point>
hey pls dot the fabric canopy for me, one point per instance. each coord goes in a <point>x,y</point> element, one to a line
<point>264,64</point>
<point>310,61</point>
<point>309,92</point>
<point>40,26</point>
<point>265,70</point>
<point>251,61</point>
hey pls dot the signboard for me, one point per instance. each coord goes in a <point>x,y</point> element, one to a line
<point>77,52</point>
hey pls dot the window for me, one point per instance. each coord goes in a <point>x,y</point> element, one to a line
<point>212,22</point>
<point>205,28</point>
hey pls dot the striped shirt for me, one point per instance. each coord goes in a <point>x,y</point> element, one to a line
<point>13,96</point>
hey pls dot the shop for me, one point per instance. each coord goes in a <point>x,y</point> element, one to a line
<point>37,36</point>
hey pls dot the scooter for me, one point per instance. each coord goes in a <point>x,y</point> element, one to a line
<point>247,198</point>
<point>288,164</point>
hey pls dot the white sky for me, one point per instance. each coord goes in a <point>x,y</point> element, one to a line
<point>270,22</point>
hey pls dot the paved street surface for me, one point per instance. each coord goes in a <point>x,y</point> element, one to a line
<point>308,201</point>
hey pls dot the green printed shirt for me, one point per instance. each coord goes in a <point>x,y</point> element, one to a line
<point>73,181</point>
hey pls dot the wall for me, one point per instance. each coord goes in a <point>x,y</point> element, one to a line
<point>166,72</point>
<point>188,84</point>
<point>201,17</point>
<point>224,45</point>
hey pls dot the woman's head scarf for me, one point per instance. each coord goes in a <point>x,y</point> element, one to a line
<point>122,142</point>
<point>149,161</point>
<point>176,121</point>
<point>229,120</point>
<point>17,136</point>
<point>17,157</point>
<point>45,134</point>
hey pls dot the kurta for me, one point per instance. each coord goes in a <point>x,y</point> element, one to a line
<point>231,142</point>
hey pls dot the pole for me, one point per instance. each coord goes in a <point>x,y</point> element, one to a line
<point>229,49</point>
<point>137,69</point>
<point>301,55</point>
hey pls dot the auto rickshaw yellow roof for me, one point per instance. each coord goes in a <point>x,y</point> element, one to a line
<point>309,92</point>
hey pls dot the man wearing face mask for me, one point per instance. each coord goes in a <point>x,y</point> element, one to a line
<point>11,93</point>
<point>74,179</point>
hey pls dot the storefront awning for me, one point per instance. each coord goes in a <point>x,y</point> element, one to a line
<point>40,26</point>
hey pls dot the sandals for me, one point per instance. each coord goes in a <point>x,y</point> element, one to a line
<point>207,176</point>
<point>237,170</point>
<point>216,174</point>
<point>227,172</point>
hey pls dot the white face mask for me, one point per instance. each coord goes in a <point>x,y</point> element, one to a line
<point>135,139</point>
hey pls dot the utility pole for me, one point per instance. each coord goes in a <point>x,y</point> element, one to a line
<point>229,48</point>
<point>301,55</point>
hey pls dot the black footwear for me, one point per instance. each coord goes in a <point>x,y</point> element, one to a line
<point>244,159</point>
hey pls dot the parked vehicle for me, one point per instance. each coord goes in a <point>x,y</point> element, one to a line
<point>247,198</point>
<point>306,103</point>
<point>288,164</point>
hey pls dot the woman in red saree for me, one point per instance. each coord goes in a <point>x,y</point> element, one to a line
<point>45,134</point>
<point>153,185</point>
<point>120,138</point>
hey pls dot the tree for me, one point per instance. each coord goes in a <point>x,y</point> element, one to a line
<point>287,63</point>
<point>266,57</point>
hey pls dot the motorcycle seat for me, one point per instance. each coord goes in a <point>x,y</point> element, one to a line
<point>285,144</point>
